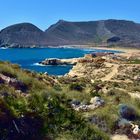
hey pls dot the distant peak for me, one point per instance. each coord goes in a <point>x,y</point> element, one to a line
<point>61,21</point>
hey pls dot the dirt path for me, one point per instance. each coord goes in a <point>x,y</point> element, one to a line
<point>132,94</point>
<point>114,70</point>
<point>119,137</point>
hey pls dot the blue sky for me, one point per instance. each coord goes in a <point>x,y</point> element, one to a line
<point>43,13</point>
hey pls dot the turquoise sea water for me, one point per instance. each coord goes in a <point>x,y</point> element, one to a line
<point>28,58</point>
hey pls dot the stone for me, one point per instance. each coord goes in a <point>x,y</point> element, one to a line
<point>123,123</point>
<point>75,102</point>
<point>14,83</point>
<point>45,73</point>
<point>83,108</point>
<point>137,78</point>
<point>136,130</point>
<point>96,101</point>
<point>92,107</point>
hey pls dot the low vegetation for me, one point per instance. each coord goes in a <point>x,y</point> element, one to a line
<point>42,111</point>
<point>45,109</point>
<point>135,61</point>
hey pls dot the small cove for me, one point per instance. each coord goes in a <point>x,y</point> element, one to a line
<point>28,58</point>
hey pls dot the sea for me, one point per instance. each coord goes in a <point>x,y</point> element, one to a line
<point>29,58</point>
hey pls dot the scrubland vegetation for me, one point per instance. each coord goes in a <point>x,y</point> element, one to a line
<point>42,111</point>
<point>38,106</point>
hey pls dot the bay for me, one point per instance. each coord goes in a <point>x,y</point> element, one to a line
<point>28,58</point>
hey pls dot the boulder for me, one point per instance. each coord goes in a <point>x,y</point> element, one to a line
<point>136,130</point>
<point>82,108</point>
<point>123,123</point>
<point>19,85</point>
<point>128,128</point>
<point>95,105</point>
<point>96,101</point>
<point>75,102</point>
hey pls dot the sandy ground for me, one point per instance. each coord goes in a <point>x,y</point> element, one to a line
<point>123,49</point>
<point>127,50</point>
<point>114,71</point>
<point>120,137</point>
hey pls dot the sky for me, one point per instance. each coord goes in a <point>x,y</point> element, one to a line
<point>44,13</point>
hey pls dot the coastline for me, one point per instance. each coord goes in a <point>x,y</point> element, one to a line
<point>126,51</point>
<point>121,49</point>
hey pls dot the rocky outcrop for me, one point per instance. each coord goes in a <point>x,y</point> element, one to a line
<point>94,103</point>
<point>128,128</point>
<point>18,85</point>
<point>56,61</point>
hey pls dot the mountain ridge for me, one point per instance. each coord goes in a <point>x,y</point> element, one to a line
<point>101,32</point>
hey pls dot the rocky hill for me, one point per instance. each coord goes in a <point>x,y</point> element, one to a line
<point>94,32</point>
<point>103,32</point>
<point>32,109</point>
<point>19,35</point>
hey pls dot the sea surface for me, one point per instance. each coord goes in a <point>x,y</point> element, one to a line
<point>28,58</point>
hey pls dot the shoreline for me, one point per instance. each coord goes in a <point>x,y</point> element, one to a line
<point>124,51</point>
<point>78,47</point>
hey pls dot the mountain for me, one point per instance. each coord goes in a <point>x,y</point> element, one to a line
<point>23,34</point>
<point>64,32</point>
<point>94,32</point>
<point>102,32</point>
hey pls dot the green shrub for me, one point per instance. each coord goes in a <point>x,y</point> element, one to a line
<point>76,86</point>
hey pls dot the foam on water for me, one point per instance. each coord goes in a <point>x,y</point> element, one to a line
<point>3,48</point>
<point>38,64</point>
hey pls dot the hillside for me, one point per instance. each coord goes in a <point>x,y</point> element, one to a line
<point>103,32</point>
<point>94,32</point>
<point>24,34</point>
<point>96,100</point>
<point>33,107</point>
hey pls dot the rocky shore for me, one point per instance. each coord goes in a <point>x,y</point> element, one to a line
<point>56,61</point>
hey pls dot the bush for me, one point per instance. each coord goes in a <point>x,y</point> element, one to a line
<point>76,86</point>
